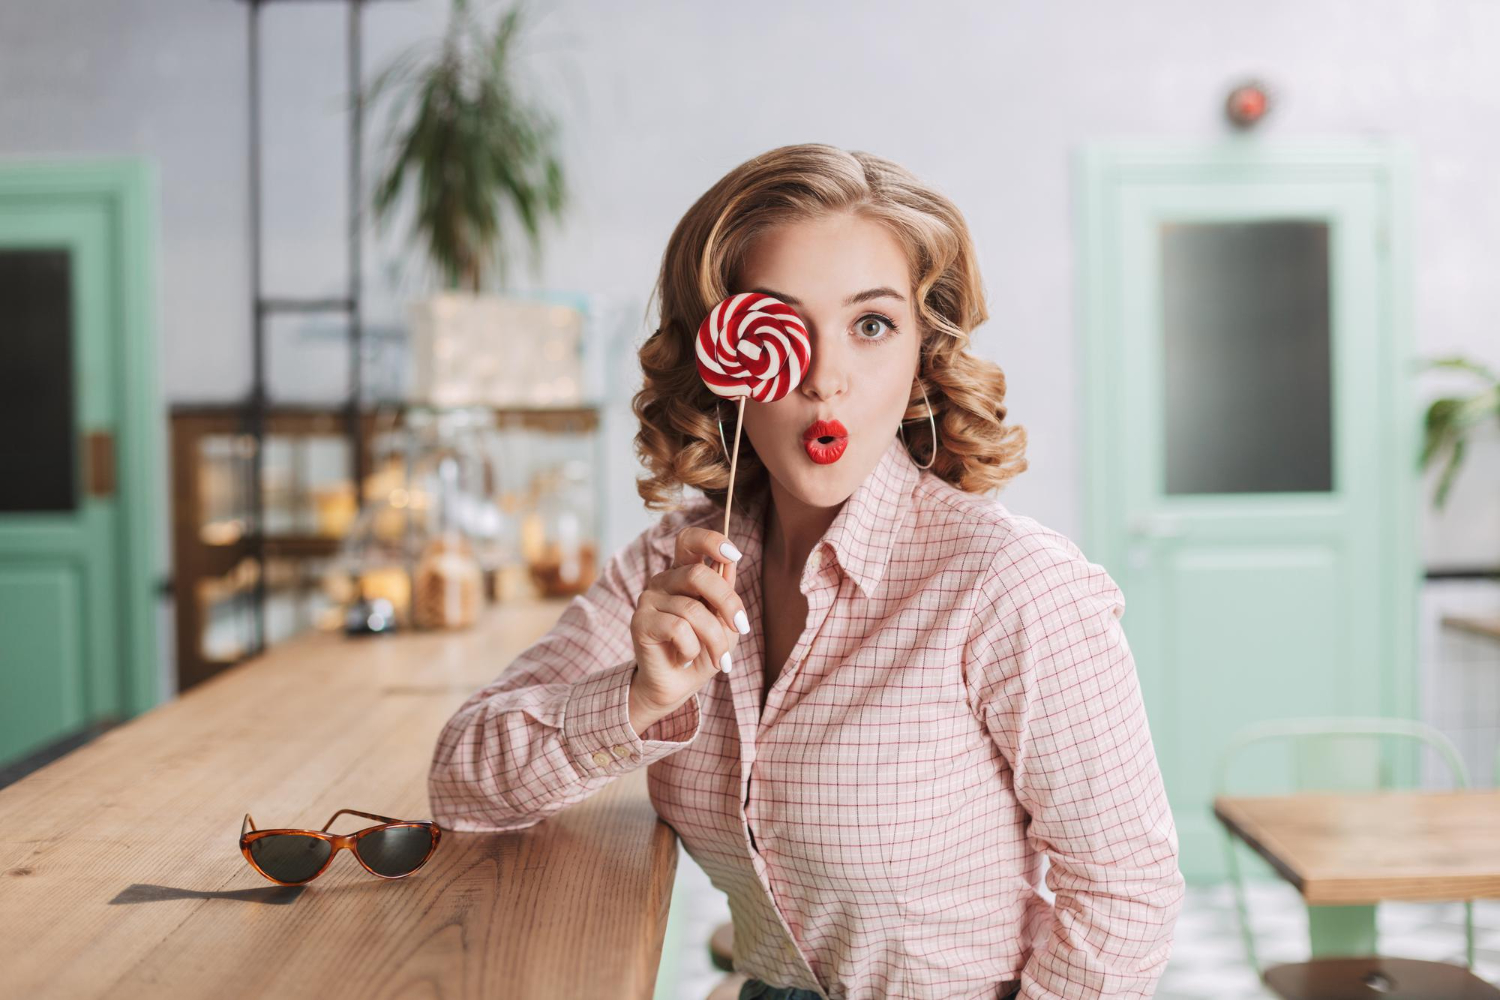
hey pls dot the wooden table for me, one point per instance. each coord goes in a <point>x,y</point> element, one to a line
<point>121,875</point>
<point>1346,852</point>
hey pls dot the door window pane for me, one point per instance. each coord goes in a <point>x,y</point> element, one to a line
<point>38,461</point>
<point>1245,317</point>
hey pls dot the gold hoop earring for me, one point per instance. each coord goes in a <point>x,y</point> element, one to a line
<point>930,419</point>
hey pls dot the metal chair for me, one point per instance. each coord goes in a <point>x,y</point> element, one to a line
<point>1340,766</point>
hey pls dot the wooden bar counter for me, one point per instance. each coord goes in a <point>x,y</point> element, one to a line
<point>121,875</point>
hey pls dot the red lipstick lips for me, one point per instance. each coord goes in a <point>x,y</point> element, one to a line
<point>825,441</point>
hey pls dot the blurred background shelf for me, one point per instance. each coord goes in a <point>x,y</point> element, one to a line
<point>309,508</point>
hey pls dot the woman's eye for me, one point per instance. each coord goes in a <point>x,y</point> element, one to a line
<point>872,324</point>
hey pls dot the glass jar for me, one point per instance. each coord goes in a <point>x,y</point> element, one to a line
<point>557,536</point>
<point>430,531</point>
<point>447,587</point>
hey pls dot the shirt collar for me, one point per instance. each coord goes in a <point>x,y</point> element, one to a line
<point>862,534</point>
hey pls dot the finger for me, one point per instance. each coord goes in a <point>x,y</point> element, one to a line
<point>712,638</point>
<point>727,571</point>
<point>654,625</point>
<point>722,568</point>
<point>730,572</point>
<point>713,634</point>
<point>695,543</point>
<point>685,640</point>
<point>700,581</point>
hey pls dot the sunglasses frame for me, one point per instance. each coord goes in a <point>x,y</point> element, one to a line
<point>249,834</point>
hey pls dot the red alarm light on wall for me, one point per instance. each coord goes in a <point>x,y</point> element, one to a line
<point>1247,104</point>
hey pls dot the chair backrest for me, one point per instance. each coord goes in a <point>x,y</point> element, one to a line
<point>1341,754</point>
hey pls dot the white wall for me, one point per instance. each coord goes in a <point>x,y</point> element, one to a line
<point>986,100</point>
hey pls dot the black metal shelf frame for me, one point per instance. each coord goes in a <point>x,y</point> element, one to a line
<point>264,305</point>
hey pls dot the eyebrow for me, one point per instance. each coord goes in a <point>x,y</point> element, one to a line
<point>869,293</point>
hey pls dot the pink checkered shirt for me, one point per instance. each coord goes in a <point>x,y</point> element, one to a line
<point>961,703</point>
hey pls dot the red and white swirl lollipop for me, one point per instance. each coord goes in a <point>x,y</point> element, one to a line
<point>751,346</point>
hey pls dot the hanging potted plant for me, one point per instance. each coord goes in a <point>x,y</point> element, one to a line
<point>480,162</point>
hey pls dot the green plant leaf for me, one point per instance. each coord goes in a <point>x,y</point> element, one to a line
<point>1455,459</point>
<point>1438,425</point>
<point>1449,420</point>
<point>1461,364</point>
<point>476,157</point>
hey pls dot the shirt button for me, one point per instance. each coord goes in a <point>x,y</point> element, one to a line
<point>620,751</point>
<point>601,758</point>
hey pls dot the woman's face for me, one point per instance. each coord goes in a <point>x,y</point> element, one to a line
<point>848,279</point>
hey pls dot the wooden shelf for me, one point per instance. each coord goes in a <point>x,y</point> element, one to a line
<point>230,418</point>
<point>196,560</point>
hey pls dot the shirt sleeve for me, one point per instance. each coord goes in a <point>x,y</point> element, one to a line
<point>555,727</point>
<point>1050,673</point>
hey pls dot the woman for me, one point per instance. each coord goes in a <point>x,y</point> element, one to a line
<point>932,694</point>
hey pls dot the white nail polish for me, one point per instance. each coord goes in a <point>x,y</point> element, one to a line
<point>741,622</point>
<point>730,552</point>
<point>724,662</point>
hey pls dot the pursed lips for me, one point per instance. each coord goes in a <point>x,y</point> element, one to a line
<point>830,429</point>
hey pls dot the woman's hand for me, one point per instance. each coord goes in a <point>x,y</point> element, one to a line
<point>687,622</point>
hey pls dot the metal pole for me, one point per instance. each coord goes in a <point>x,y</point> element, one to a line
<point>356,200</point>
<point>257,409</point>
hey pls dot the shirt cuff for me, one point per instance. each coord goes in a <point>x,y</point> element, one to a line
<point>597,731</point>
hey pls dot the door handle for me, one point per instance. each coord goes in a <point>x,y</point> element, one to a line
<point>99,463</point>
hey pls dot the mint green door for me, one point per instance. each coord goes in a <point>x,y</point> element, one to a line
<point>79,486</point>
<point>1250,469</point>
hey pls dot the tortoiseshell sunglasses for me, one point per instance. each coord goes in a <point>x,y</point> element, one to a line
<point>394,849</point>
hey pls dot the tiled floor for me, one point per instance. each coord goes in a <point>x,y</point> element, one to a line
<point>1208,960</point>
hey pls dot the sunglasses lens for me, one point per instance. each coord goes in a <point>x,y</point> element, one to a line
<point>290,857</point>
<point>396,850</point>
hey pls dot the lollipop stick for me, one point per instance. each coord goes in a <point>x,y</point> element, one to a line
<point>734,461</point>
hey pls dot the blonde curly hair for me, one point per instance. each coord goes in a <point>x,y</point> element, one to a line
<point>678,441</point>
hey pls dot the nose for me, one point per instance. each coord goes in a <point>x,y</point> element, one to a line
<point>826,376</point>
